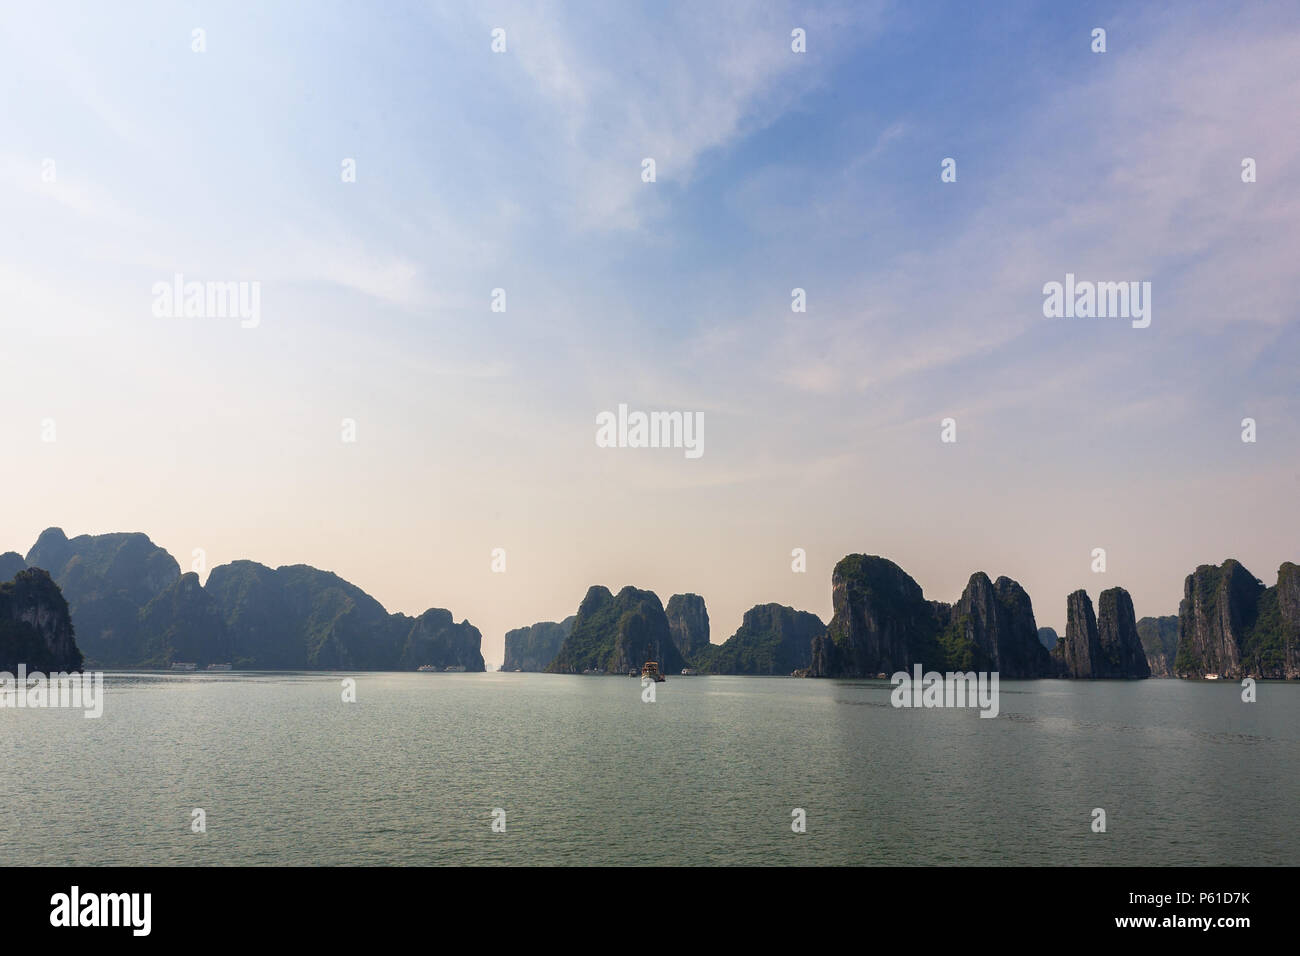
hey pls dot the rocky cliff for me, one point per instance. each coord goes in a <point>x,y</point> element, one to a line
<point>1101,648</point>
<point>132,607</point>
<point>881,620</point>
<point>1121,647</point>
<point>688,622</point>
<point>435,638</point>
<point>1230,624</point>
<point>36,626</point>
<point>882,624</point>
<point>772,639</point>
<point>992,628</point>
<point>1048,637</point>
<point>618,634</point>
<point>300,616</point>
<point>533,648</point>
<point>106,579</point>
<point>1160,641</point>
<point>1076,653</point>
<point>11,562</point>
<point>184,623</point>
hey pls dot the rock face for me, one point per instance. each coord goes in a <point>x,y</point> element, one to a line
<point>183,623</point>
<point>533,648</point>
<point>772,639</point>
<point>299,616</point>
<point>436,638</point>
<point>1160,641</point>
<point>1121,647</point>
<point>618,634</point>
<point>1230,624</point>
<point>688,622</point>
<point>106,579</point>
<point>883,623</point>
<point>35,626</point>
<point>1048,637</point>
<point>1105,648</point>
<point>132,607</point>
<point>11,562</point>
<point>992,628</point>
<point>881,620</point>
<point>1077,652</point>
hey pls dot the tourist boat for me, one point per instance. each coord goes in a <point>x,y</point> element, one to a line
<point>426,668</point>
<point>184,666</point>
<point>650,671</point>
<point>688,671</point>
<point>1211,676</point>
<point>219,667</point>
<point>454,669</point>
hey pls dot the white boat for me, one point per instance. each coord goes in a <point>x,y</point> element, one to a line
<point>184,666</point>
<point>688,671</point>
<point>1211,676</point>
<point>426,668</point>
<point>454,669</point>
<point>219,667</point>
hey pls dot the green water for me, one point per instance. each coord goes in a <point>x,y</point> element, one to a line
<point>589,774</point>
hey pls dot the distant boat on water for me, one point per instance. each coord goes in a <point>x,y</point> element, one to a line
<point>219,667</point>
<point>184,666</point>
<point>455,669</point>
<point>426,668</point>
<point>650,671</point>
<point>1211,676</point>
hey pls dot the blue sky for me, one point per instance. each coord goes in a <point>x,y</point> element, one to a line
<point>521,170</point>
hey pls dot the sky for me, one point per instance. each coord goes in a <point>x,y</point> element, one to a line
<point>128,156</point>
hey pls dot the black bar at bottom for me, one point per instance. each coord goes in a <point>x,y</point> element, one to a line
<point>300,905</point>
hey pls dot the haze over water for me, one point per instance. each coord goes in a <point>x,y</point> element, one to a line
<point>589,774</point>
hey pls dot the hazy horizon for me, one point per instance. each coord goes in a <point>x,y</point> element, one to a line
<point>128,158</point>
<point>717,635</point>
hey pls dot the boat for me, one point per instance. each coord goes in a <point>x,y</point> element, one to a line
<point>650,671</point>
<point>688,671</point>
<point>1211,676</point>
<point>184,666</point>
<point>426,668</point>
<point>454,669</point>
<point>219,667</point>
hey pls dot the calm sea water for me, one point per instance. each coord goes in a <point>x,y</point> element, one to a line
<point>588,774</point>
